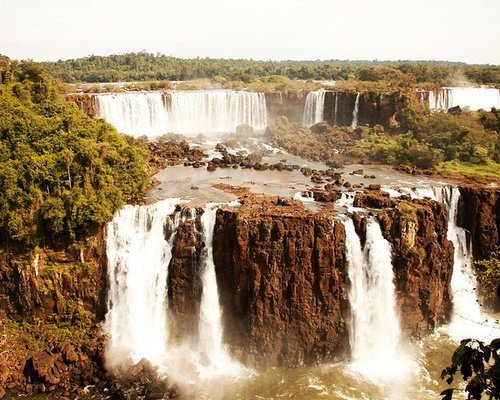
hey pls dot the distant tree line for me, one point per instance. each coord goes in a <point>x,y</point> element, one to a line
<point>144,66</point>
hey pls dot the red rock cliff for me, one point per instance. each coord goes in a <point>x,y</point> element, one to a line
<point>422,262</point>
<point>282,283</point>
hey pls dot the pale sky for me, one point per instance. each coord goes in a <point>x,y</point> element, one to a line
<point>454,30</point>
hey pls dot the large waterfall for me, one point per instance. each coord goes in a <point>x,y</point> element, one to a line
<point>138,257</point>
<point>375,329</point>
<point>139,250</point>
<point>186,112</point>
<point>355,112</point>
<point>474,98</point>
<point>314,107</point>
<point>468,320</point>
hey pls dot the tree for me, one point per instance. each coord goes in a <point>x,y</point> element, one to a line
<point>479,365</point>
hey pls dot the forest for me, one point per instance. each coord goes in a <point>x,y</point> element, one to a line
<point>63,173</point>
<point>143,66</point>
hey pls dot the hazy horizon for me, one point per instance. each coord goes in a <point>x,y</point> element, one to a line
<point>277,30</point>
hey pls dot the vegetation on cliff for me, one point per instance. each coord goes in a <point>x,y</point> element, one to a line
<point>451,143</point>
<point>145,66</point>
<point>63,174</point>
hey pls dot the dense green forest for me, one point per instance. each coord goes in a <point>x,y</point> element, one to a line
<point>144,66</point>
<point>63,174</point>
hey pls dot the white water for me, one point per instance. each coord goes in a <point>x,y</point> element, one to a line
<point>336,109</point>
<point>216,357</point>
<point>137,321</point>
<point>187,112</point>
<point>375,330</point>
<point>138,257</point>
<point>355,112</point>
<point>314,107</point>
<point>474,98</point>
<point>468,320</point>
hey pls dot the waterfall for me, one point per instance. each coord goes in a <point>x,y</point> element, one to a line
<point>467,319</point>
<point>186,112</point>
<point>474,98</point>
<point>139,250</point>
<point>355,113</point>
<point>210,313</point>
<point>336,108</point>
<point>375,331</point>
<point>314,107</point>
<point>138,257</point>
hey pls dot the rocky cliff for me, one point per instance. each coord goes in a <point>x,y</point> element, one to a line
<point>288,104</point>
<point>422,261</point>
<point>479,214</point>
<point>282,283</point>
<point>85,102</point>
<point>51,301</point>
<point>374,108</point>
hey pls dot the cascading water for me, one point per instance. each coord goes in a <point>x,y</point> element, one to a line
<point>314,107</point>
<point>355,112</point>
<point>138,257</point>
<point>186,112</point>
<point>336,108</point>
<point>375,330</point>
<point>474,98</point>
<point>139,250</point>
<point>468,320</point>
<point>210,325</point>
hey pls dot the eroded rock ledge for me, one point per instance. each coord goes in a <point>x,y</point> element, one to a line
<point>282,282</point>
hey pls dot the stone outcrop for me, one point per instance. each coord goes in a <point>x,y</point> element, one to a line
<point>59,296</point>
<point>479,214</point>
<point>184,284</point>
<point>86,102</point>
<point>374,108</point>
<point>422,261</point>
<point>282,283</point>
<point>288,104</point>
<point>373,199</point>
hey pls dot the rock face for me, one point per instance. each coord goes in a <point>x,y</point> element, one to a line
<point>85,102</point>
<point>59,295</point>
<point>282,283</point>
<point>184,285</point>
<point>479,214</point>
<point>374,108</point>
<point>422,261</point>
<point>288,104</point>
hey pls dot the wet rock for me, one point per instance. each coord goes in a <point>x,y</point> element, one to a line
<point>326,196</point>
<point>422,261</point>
<point>211,167</point>
<point>479,213</point>
<point>373,199</point>
<point>282,283</point>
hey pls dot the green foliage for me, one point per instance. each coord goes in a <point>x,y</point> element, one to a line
<point>63,174</point>
<point>144,66</point>
<point>488,273</point>
<point>479,365</point>
<point>318,143</point>
<point>396,149</point>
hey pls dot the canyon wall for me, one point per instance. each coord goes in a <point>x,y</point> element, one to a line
<point>282,282</point>
<point>479,214</point>
<point>51,301</point>
<point>422,261</point>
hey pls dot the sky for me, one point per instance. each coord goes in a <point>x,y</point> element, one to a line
<point>452,30</point>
